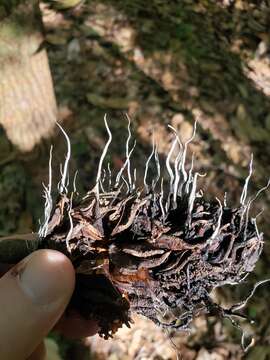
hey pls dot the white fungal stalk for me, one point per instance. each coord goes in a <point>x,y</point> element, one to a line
<point>247,207</point>
<point>121,171</point>
<point>183,158</point>
<point>134,179</point>
<point>63,184</point>
<point>155,181</point>
<point>217,229</point>
<point>71,224</point>
<point>176,165</point>
<point>128,153</point>
<point>48,201</point>
<point>74,182</point>
<point>110,176</point>
<point>168,165</point>
<point>96,188</point>
<point>190,175</point>
<point>192,195</point>
<point>161,200</point>
<point>245,188</point>
<point>147,166</point>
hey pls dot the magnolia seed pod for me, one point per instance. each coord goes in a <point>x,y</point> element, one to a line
<point>155,252</point>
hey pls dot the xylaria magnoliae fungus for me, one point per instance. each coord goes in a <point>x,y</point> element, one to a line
<point>154,251</point>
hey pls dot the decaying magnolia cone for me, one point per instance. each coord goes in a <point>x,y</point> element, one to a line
<point>157,253</point>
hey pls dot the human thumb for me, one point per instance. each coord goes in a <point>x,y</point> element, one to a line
<point>33,296</point>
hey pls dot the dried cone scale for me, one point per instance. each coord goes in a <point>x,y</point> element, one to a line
<point>158,253</point>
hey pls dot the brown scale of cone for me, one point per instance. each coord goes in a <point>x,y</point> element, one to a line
<point>128,257</point>
<point>157,254</point>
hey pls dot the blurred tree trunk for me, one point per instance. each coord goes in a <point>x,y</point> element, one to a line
<point>27,101</point>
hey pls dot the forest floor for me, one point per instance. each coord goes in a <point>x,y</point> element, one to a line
<point>161,63</point>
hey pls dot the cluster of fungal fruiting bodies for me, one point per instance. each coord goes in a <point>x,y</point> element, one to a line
<point>158,251</point>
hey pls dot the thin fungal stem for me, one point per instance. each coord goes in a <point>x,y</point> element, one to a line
<point>161,200</point>
<point>126,183</point>
<point>170,172</point>
<point>176,165</point>
<point>110,176</point>
<point>71,224</point>
<point>259,192</point>
<point>117,192</point>
<point>215,233</point>
<point>74,181</point>
<point>128,153</point>
<point>168,165</point>
<point>67,183</point>
<point>225,199</point>
<point>183,170</point>
<point>155,181</point>
<point>242,304</point>
<point>192,195</point>
<point>177,176</point>
<point>63,184</point>
<point>188,277</point>
<point>104,176</point>
<point>101,182</point>
<point>120,172</point>
<point>243,334</point>
<point>103,156</point>
<point>134,179</point>
<point>260,213</point>
<point>254,221</point>
<point>190,175</point>
<point>147,166</point>
<point>48,200</point>
<point>248,346</point>
<point>247,207</point>
<point>245,188</point>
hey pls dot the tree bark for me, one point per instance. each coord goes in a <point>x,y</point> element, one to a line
<point>27,102</point>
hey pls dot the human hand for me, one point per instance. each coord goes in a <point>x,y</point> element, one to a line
<point>33,297</point>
